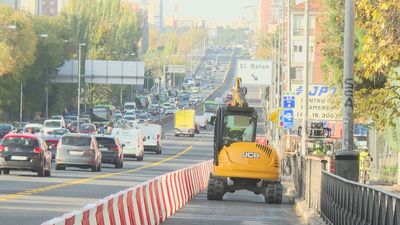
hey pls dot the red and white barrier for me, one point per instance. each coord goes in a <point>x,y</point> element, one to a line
<point>149,203</point>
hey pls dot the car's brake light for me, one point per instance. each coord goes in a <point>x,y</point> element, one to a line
<point>114,148</point>
<point>2,148</point>
<point>37,150</point>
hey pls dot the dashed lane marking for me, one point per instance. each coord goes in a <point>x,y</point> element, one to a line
<point>22,194</point>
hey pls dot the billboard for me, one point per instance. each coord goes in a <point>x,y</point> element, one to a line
<point>114,72</point>
<point>255,71</point>
<point>321,105</point>
<point>102,72</point>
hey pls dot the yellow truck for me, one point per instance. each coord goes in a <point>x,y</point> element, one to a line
<point>185,122</point>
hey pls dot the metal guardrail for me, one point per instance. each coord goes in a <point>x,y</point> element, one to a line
<point>347,202</point>
<point>340,201</point>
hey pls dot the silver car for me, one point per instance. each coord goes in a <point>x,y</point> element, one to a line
<point>78,150</point>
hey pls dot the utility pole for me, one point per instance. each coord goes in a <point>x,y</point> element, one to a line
<point>348,78</point>
<point>79,86</point>
<point>289,47</point>
<point>305,82</point>
<point>20,101</point>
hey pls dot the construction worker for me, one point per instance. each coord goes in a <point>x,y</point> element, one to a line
<point>365,160</point>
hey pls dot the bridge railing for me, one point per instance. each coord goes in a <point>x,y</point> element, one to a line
<point>341,201</point>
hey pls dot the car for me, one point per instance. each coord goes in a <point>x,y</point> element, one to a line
<point>111,150</point>
<point>35,127</point>
<point>169,111</point>
<point>129,106</point>
<point>27,152</point>
<point>52,139</point>
<point>5,129</point>
<point>143,118</point>
<point>73,127</point>
<point>132,142</point>
<point>87,128</point>
<point>153,111</point>
<point>73,118</point>
<point>202,121</point>
<point>19,126</point>
<point>118,116</point>
<point>85,120</point>
<point>130,119</point>
<point>78,150</point>
<point>50,125</point>
<point>152,137</point>
<point>57,117</point>
<point>194,90</point>
<point>130,113</point>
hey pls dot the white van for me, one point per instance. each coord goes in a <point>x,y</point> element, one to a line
<point>129,106</point>
<point>132,142</point>
<point>152,134</point>
<point>50,125</point>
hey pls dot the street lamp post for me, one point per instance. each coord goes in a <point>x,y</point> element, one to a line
<point>79,86</point>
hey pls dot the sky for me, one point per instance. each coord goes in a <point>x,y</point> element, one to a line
<point>224,11</point>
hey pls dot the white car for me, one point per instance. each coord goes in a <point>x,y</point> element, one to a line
<point>37,128</point>
<point>131,119</point>
<point>152,134</point>
<point>169,111</point>
<point>202,121</point>
<point>50,125</point>
<point>131,141</point>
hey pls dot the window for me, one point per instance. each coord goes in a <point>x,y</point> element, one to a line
<point>238,128</point>
<point>76,141</point>
<point>300,48</point>
<point>295,48</point>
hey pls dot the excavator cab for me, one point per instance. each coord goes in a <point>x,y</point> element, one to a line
<point>234,124</point>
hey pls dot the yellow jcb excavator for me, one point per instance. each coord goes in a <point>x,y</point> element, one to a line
<point>240,163</point>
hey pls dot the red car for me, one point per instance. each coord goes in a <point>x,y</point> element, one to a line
<point>26,152</point>
<point>87,128</point>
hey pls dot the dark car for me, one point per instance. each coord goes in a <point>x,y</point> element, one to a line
<point>5,129</point>
<point>19,126</point>
<point>87,128</point>
<point>111,150</point>
<point>24,152</point>
<point>52,139</point>
<point>78,150</point>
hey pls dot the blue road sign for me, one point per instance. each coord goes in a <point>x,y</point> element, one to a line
<point>289,101</point>
<point>288,118</point>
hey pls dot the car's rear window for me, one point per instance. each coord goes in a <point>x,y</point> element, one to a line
<point>86,127</point>
<point>5,127</point>
<point>22,142</point>
<point>105,142</point>
<point>53,124</point>
<point>76,141</point>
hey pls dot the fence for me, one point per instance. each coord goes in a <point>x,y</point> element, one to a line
<point>340,201</point>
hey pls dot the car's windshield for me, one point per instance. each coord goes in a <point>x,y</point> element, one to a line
<point>20,142</point>
<point>58,132</point>
<point>76,141</point>
<point>238,128</point>
<point>86,127</point>
<point>52,124</point>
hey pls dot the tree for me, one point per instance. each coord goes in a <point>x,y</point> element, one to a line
<point>17,41</point>
<point>376,56</point>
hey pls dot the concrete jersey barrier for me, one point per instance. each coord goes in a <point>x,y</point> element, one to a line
<point>149,203</point>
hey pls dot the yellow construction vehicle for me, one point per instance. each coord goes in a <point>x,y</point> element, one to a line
<point>240,163</point>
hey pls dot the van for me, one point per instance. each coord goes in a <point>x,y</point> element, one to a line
<point>131,141</point>
<point>185,122</point>
<point>129,106</point>
<point>152,134</point>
